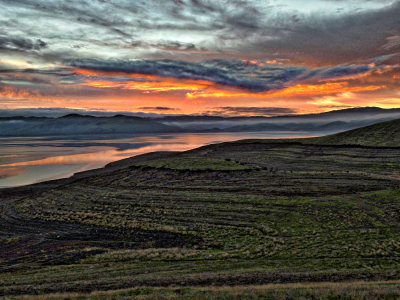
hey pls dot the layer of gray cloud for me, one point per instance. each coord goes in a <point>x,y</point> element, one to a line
<point>331,40</point>
<point>21,44</point>
<point>198,29</point>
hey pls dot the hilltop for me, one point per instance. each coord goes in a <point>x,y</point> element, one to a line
<point>385,134</point>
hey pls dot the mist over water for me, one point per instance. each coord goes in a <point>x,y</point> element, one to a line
<point>31,160</point>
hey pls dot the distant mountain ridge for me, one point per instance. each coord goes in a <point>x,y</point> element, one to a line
<point>75,124</point>
<point>356,110</point>
<point>78,124</point>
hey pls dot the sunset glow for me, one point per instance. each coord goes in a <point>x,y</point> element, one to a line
<point>193,57</point>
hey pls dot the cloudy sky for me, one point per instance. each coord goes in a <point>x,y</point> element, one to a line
<point>236,57</point>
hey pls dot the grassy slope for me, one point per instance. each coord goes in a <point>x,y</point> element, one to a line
<point>385,134</point>
<point>352,290</point>
<point>233,213</point>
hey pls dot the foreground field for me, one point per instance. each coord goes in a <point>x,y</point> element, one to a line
<point>243,213</point>
<point>351,290</point>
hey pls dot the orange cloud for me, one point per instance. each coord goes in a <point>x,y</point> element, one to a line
<point>21,96</point>
<point>299,90</point>
<point>323,89</point>
<point>162,86</point>
<point>206,89</point>
<point>113,74</point>
<point>129,92</point>
<point>9,92</point>
<point>143,82</point>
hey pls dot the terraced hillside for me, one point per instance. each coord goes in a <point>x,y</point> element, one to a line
<point>385,134</point>
<point>243,213</point>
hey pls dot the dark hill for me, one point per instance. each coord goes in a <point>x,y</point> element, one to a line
<point>385,134</point>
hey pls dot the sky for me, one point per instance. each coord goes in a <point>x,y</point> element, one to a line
<point>228,58</point>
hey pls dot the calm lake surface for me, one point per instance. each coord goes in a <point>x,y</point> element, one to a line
<point>30,160</point>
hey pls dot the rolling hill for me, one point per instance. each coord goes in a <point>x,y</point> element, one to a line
<point>384,134</point>
<point>188,224</point>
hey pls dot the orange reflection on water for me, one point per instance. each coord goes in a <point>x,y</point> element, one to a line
<point>9,172</point>
<point>103,155</point>
<point>65,165</point>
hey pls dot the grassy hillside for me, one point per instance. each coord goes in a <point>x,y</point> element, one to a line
<point>228,214</point>
<point>385,134</point>
<point>320,290</point>
<point>189,224</point>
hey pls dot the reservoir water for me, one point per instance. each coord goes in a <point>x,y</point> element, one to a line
<point>31,160</point>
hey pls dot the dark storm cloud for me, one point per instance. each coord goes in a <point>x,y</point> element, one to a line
<point>176,69</point>
<point>345,71</point>
<point>170,46</point>
<point>270,111</point>
<point>177,46</point>
<point>234,73</point>
<point>38,77</point>
<point>337,72</point>
<point>21,44</point>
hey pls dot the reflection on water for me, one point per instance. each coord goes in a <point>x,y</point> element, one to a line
<point>29,160</point>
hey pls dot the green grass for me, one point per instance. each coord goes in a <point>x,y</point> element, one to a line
<point>194,164</point>
<point>348,291</point>
<point>230,214</point>
<point>385,134</point>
